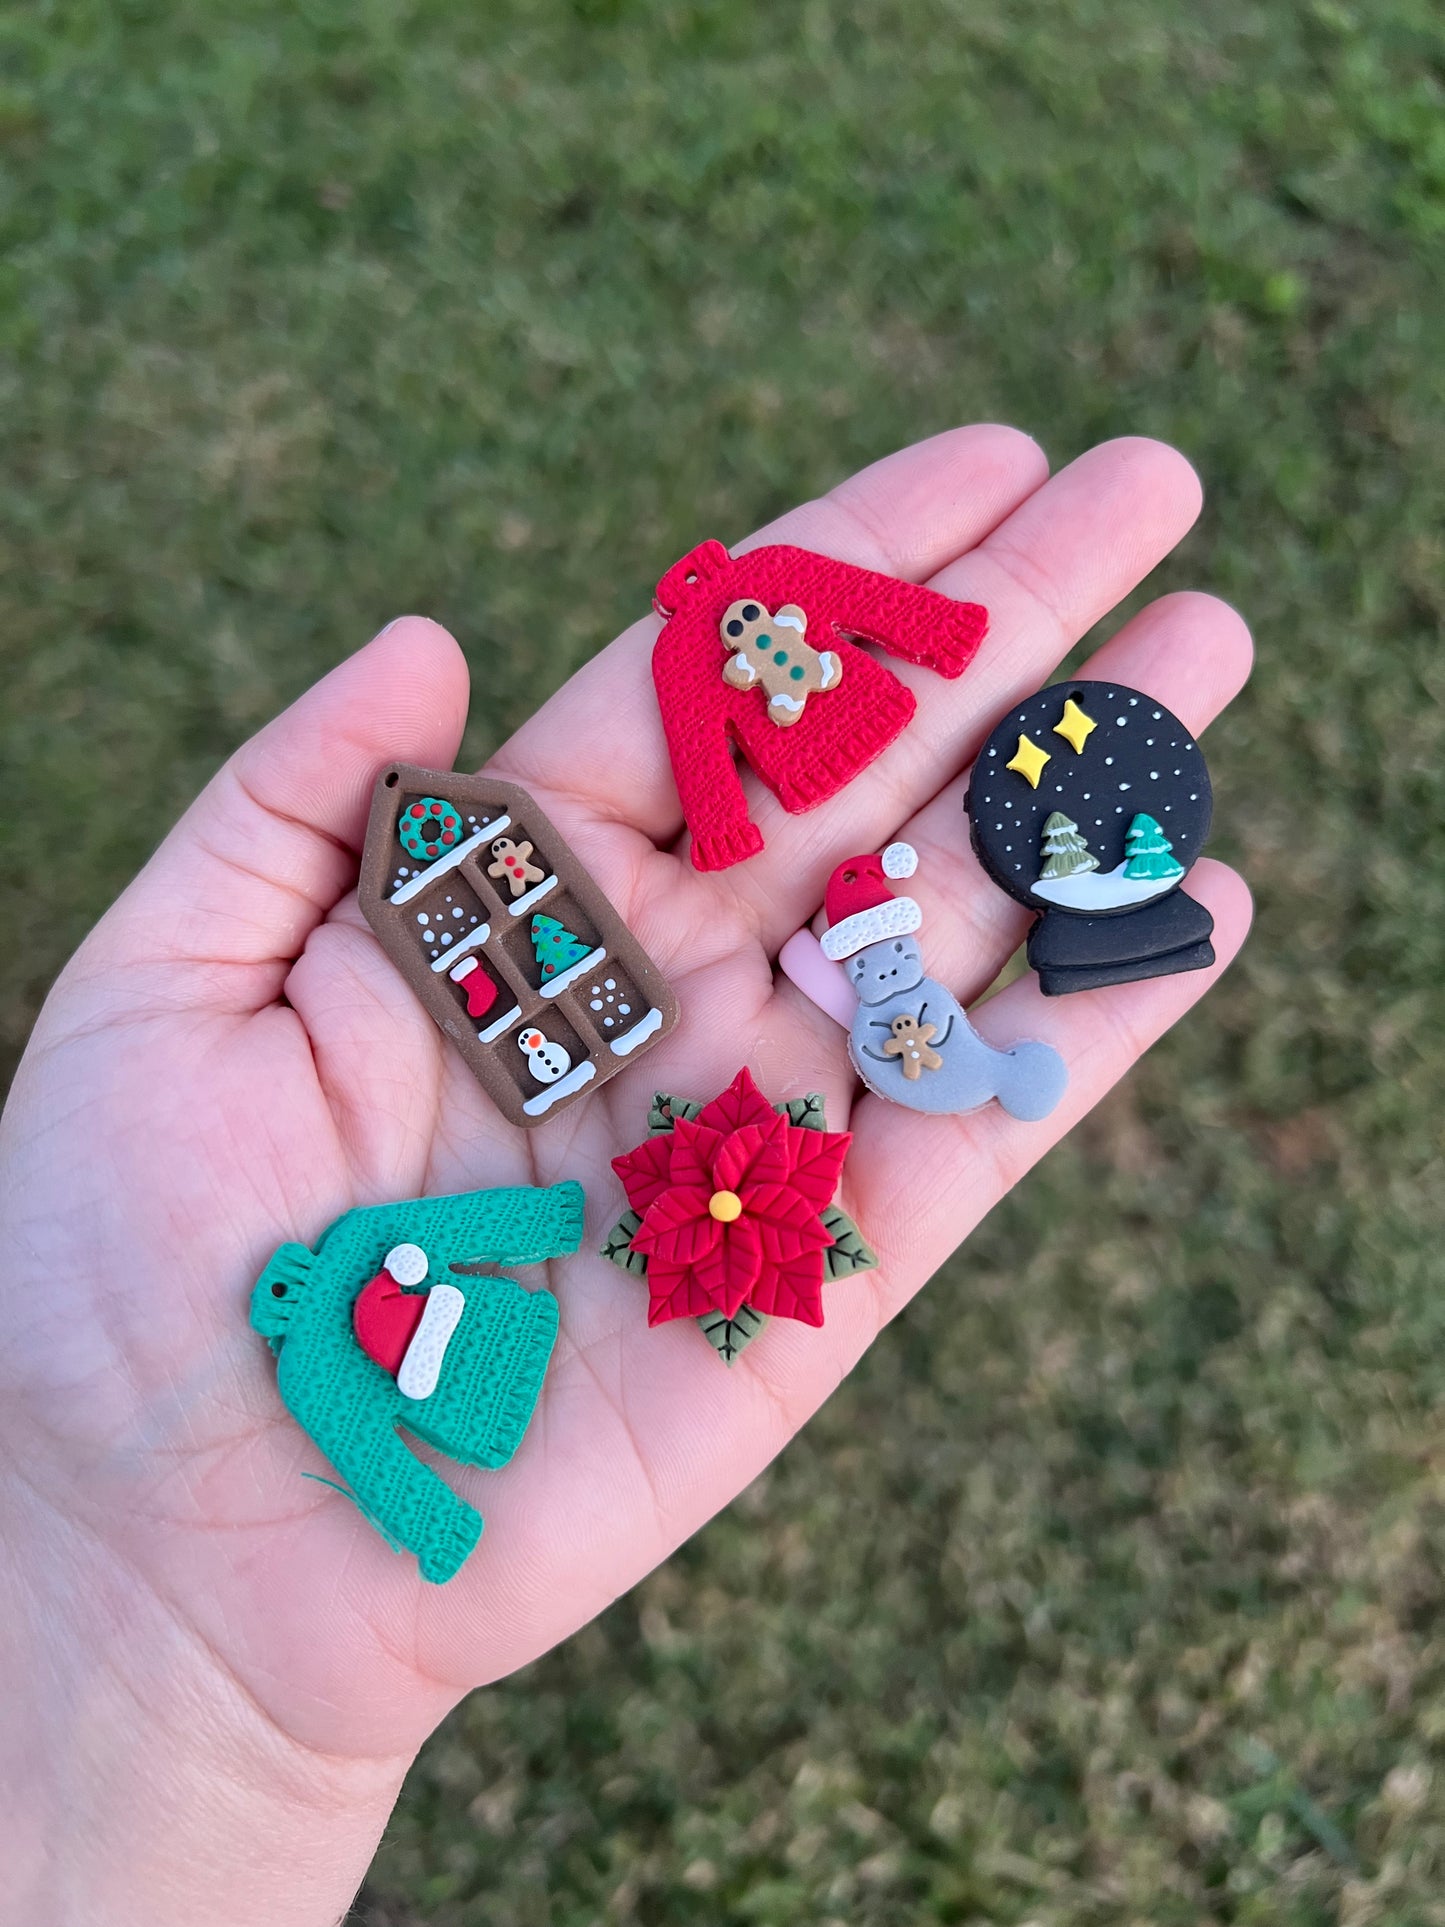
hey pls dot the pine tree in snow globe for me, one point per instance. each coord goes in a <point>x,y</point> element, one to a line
<point>1089,803</point>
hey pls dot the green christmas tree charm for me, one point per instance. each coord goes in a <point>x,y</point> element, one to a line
<point>557,949</point>
<point>1149,855</point>
<point>1066,854</point>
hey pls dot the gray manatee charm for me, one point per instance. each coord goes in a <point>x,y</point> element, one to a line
<point>911,1043</point>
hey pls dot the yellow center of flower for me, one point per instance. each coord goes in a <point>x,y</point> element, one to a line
<point>725,1206</point>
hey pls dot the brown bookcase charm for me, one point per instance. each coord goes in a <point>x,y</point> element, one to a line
<point>506,939</point>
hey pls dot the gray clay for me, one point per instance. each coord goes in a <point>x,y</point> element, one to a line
<point>889,978</point>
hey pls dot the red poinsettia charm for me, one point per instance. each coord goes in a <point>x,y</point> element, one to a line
<point>730,1204</point>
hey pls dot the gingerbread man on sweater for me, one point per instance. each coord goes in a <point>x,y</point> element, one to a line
<point>839,732</point>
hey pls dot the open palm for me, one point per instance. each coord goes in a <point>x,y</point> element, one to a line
<point>230,1061</point>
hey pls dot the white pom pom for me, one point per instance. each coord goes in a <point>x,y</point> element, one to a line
<point>408,1264</point>
<point>900,860</point>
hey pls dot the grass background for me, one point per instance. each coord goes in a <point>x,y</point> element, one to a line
<point>1109,1589</point>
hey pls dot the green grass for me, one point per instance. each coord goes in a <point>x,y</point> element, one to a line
<point>1110,1589</point>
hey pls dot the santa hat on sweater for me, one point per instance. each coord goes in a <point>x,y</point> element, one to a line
<point>862,909</point>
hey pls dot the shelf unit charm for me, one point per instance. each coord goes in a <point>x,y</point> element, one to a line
<point>506,940</point>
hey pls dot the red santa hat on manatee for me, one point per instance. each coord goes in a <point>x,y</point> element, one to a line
<point>860,906</point>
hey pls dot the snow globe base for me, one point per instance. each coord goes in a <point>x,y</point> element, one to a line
<point>1160,939</point>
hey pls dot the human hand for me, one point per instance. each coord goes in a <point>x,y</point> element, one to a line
<point>219,1669</point>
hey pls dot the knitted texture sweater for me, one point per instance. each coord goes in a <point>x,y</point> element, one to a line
<point>840,730</point>
<point>352,1406</point>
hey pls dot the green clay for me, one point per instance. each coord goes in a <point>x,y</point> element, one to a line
<point>666,1110</point>
<point>1149,855</point>
<point>491,1375</point>
<point>848,1252</point>
<point>730,1337</point>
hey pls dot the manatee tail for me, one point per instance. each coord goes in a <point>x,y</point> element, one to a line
<point>1031,1080</point>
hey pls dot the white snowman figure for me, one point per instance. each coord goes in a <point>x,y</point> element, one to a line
<point>545,1060</point>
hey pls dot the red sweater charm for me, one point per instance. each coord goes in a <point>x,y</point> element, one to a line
<point>717,685</point>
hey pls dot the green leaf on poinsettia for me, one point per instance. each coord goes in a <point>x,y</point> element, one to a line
<point>618,1246</point>
<point>730,1337</point>
<point>847,1253</point>
<point>806,1112</point>
<point>666,1110</point>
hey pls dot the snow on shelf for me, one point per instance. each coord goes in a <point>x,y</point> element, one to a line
<point>564,1087</point>
<point>499,1024</point>
<point>468,942</point>
<point>640,1032</point>
<point>529,897</point>
<point>554,984</point>
<point>414,885</point>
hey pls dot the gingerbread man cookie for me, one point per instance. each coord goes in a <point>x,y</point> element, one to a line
<point>910,1040</point>
<point>514,864</point>
<point>769,653</point>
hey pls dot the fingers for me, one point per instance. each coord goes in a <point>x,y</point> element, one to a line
<point>1067,555</point>
<point>228,900</point>
<point>953,1170</point>
<point>600,738</point>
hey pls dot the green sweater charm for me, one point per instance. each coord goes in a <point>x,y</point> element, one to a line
<point>385,1325</point>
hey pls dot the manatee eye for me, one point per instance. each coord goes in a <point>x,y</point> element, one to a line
<point>735,628</point>
<point>278,1291</point>
<point>898,949</point>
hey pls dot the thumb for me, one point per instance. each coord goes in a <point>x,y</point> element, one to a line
<point>224,907</point>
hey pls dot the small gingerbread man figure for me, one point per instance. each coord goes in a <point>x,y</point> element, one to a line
<point>769,653</point>
<point>514,864</point>
<point>910,1041</point>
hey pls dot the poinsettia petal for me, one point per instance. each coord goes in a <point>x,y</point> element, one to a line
<point>753,1154</point>
<point>674,1292</point>
<point>678,1228</point>
<point>646,1172</point>
<point>817,1163</point>
<point>782,1208</point>
<point>741,1103</point>
<point>784,1242</point>
<point>694,1148</point>
<point>792,1290</point>
<point>731,1269</point>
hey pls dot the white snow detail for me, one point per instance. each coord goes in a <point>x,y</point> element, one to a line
<point>564,1087</point>
<point>442,865</point>
<point>629,1040</point>
<point>529,897</point>
<point>468,942</point>
<point>554,984</point>
<point>499,1024</point>
<point>1103,889</point>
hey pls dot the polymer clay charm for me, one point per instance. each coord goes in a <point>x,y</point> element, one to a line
<point>732,1213</point>
<point>907,1035</point>
<point>731,665</point>
<point>505,938</point>
<point>1088,804</point>
<point>769,653</point>
<point>386,1324</point>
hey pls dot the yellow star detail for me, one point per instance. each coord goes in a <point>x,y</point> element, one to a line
<point>1075,726</point>
<point>1029,760</point>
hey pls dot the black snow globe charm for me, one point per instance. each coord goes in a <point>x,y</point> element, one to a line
<point>1088,804</point>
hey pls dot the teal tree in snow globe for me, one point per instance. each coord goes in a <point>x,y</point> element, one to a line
<point>1089,803</point>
